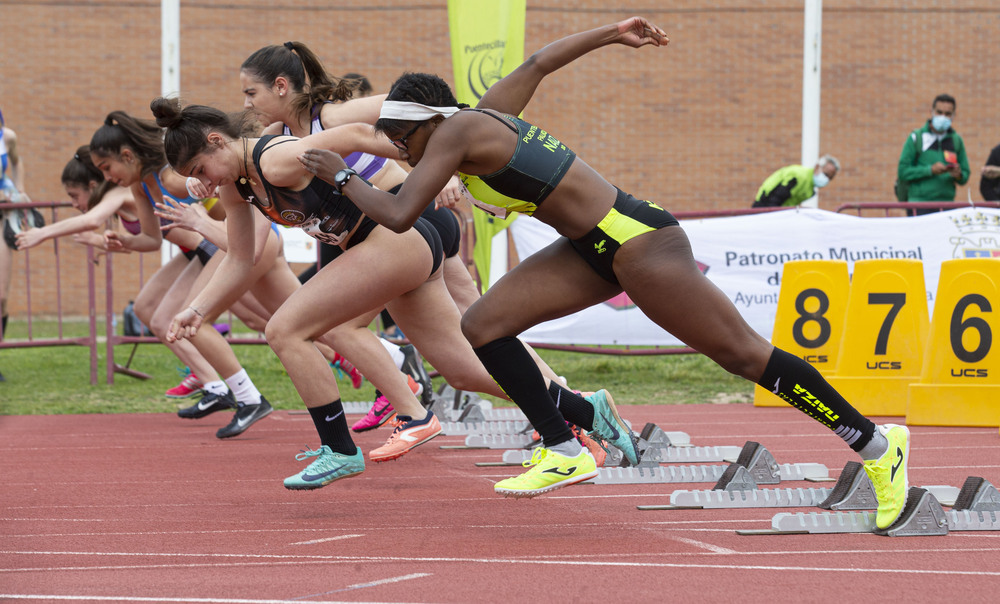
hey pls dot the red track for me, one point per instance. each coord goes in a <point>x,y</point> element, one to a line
<point>153,508</point>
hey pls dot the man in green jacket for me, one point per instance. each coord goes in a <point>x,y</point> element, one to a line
<point>933,157</point>
<point>791,185</point>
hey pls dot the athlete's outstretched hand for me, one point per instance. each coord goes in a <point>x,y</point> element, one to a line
<point>636,32</point>
<point>113,241</point>
<point>184,325</point>
<point>181,215</point>
<point>322,163</point>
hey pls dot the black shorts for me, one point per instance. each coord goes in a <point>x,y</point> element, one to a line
<point>445,223</point>
<point>430,235</point>
<point>628,218</point>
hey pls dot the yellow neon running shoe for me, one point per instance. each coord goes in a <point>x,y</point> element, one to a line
<point>549,471</point>
<point>888,475</point>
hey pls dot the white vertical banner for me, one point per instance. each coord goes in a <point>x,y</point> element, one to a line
<point>812,46</point>
<point>170,74</point>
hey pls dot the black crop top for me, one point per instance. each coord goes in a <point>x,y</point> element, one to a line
<point>319,209</point>
<point>537,165</point>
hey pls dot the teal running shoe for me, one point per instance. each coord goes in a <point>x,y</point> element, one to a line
<point>610,427</point>
<point>327,467</point>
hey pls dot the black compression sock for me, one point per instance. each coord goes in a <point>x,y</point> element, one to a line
<point>513,369</point>
<point>801,385</point>
<point>576,409</point>
<point>332,427</point>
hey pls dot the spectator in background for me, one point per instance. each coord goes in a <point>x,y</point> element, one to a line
<point>11,191</point>
<point>359,84</point>
<point>933,158</point>
<point>791,185</point>
<point>989,183</point>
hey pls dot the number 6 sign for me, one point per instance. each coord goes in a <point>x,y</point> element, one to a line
<point>960,382</point>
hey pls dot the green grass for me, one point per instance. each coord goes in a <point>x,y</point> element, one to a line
<point>55,380</point>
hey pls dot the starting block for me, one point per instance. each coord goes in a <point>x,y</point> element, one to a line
<point>737,486</point>
<point>452,405</point>
<point>975,507</point>
<point>655,447</point>
<point>755,460</point>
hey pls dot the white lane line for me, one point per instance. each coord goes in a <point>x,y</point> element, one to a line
<point>320,559</point>
<point>327,539</point>
<point>152,599</point>
<point>385,581</point>
<point>706,546</point>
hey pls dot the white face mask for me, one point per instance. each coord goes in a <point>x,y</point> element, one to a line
<point>820,180</point>
<point>941,123</point>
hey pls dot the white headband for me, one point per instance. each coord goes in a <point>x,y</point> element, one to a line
<point>402,110</point>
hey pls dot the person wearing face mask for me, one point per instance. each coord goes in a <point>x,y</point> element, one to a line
<point>791,185</point>
<point>933,159</point>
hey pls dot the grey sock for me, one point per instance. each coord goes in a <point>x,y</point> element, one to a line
<point>569,448</point>
<point>875,448</point>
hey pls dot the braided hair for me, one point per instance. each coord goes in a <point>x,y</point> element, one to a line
<point>424,88</point>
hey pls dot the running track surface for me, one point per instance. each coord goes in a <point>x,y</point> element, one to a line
<point>153,508</point>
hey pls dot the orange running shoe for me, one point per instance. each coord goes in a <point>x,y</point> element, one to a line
<point>408,434</point>
<point>595,446</point>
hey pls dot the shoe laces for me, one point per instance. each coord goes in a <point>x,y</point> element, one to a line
<point>307,453</point>
<point>536,457</point>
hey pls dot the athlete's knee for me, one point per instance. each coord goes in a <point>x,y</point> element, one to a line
<point>744,360</point>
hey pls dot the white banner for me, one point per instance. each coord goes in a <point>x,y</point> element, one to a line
<point>299,246</point>
<point>744,256</point>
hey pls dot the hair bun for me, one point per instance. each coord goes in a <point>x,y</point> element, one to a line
<point>166,111</point>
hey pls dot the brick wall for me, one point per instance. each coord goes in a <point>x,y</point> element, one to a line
<point>698,125</point>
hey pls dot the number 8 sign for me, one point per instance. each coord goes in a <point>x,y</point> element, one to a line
<point>809,321</point>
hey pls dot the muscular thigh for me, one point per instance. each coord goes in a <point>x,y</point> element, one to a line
<point>549,284</point>
<point>659,273</point>
<point>365,277</point>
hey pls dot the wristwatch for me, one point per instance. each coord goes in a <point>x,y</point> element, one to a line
<point>341,178</point>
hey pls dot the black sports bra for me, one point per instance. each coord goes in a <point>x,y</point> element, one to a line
<point>319,209</point>
<point>538,164</point>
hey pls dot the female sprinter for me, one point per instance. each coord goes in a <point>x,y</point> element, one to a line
<point>378,268</point>
<point>610,242</point>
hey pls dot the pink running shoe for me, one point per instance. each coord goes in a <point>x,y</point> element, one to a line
<point>342,366</point>
<point>380,413</point>
<point>382,410</point>
<point>189,386</point>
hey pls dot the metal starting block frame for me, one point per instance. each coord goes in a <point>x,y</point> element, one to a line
<point>650,458</point>
<point>737,486</point>
<point>451,405</point>
<point>975,507</point>
<point>755,463</point>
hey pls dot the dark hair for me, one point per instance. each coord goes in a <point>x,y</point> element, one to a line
<point>300,66</point>
<point>944,98</point>
<point>187,129</point>
<point>423,88</point>
<point>359,84</point>
<point>81,171</point>
<point>121,130</point>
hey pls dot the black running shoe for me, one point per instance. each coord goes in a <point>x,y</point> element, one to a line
<point>209,403</point>
<point>413,366</point>
<point>245,416</point>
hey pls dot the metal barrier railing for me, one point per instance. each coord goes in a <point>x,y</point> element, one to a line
<point>89,340</point>
<point>903,208</point>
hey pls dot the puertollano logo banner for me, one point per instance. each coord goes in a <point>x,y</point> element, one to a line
<point>487,43</point>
